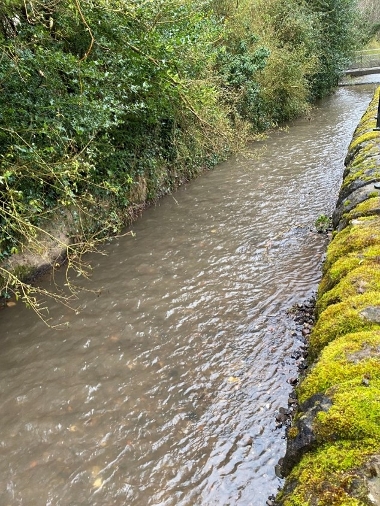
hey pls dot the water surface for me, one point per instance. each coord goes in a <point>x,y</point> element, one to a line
<point>163,389</point>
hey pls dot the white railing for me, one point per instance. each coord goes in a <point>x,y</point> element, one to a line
<point>367,58</point>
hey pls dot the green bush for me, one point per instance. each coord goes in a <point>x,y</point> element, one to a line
<point>106,105</point>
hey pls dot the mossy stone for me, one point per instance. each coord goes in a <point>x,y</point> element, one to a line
<point>326,476</point>
<point>355,413</point>
<point>363,138</point>
<point>336,469</point>
<point>365,278</point>
<point>361,234</point>
<point>352,356</point>
<point>339,269</point>
<point>343,318</point>
<point>369,207</point>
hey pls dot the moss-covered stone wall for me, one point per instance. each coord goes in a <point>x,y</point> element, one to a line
<point>333,451</point>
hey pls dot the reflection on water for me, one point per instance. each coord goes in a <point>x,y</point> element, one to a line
<point>163,389</point>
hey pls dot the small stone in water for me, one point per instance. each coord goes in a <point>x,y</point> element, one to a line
<point>97,483</point>
<point>95,470</point>
<point>233,379</point>
<point>246,440</point>
<point>278,471</point>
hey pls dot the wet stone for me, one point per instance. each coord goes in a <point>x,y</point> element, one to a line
<point>246,440</point>
<point>368,176</point>
<point>371,313</point>
<point>192,416</point>
<point>278,470</point>
<point>349,203</point>
<point>302,365</point>
<point>305,439</point>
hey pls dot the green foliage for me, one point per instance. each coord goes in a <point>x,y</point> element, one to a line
<point>93,104</point>
<point>370,20</point>
<point>239,62</point>
<point>106,105</point>
<point>294,58</point>
<point>323,223</point>
<point>337,39</point>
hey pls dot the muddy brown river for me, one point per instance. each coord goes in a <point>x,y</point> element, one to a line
<point>163,389</point>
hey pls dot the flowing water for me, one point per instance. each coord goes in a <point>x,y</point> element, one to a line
<point>163,389</point>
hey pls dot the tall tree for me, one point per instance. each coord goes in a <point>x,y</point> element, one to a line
<point>337,39</point>
<point>370,10</point>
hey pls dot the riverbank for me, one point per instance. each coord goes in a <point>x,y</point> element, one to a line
<point>70,233</point>
<point>111,108</point>
<point>182,346</point>
<point>333,445</point>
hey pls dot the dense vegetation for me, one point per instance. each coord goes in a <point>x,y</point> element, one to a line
<point>108,104</point>
<point>370,14</point>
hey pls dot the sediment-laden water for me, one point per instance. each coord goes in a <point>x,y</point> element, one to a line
<point>164,388</point>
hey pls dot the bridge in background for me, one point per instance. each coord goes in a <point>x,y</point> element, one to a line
<point>365,62</point>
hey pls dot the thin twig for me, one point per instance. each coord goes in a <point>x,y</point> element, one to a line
<point>85,56</point>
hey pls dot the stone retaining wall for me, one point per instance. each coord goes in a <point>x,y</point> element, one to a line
<point>333,451</point>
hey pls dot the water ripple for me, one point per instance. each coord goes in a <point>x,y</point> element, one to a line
<point>163,390</point>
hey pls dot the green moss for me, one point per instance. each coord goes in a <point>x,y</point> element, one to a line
<point>349,357</point>
<point>366,171</point>
<point>361,139</point>
<point>367,208</point>
<point>365,232</point>
<point>355,413</point>
<point>363,154</point>
<point>368,122</point>
<point>364,132</point>
<point>348,370</point>
<point>292,432</point>
<point>333,274</point>
<point>342,318</point>
<point>324,477</point>
<point>23,272</point>
<point>365,278</point>
<point>337,270</point>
